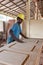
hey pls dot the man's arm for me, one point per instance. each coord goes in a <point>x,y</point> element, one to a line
<point>14,37</point>
<point>24,35</point>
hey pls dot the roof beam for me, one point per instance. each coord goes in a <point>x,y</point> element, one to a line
<point>9,8</point>
<point>17,6</point>
<point>10,13</point>
<point>2,1</point>
<point>24,2</point>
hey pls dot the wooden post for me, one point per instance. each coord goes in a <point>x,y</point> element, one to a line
<point>24,27</point>
<point>36,11</point>
<point>28,18</point>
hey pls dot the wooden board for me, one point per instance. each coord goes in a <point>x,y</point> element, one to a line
<point>12,58</point>
<point>21,53</point>
<point>35,56</point>
<point>41,57</point>
<point>23,48</point>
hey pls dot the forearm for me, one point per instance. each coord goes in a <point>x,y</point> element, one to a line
<point>24,35</point>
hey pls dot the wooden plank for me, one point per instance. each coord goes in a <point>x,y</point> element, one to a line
<point>22,53</point>
<point>41,57</point>
<point>30,40</point>
<point>41,61</point>
<point>12,58</point>
<point>23,48</point>
<point>35,56</point>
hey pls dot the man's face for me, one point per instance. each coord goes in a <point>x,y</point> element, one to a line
<point>20,21</point>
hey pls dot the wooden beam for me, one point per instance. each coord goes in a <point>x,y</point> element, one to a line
<point>18,6</point>
<point>28,18</point>
<point>9,8</point>
<point>36,11</point>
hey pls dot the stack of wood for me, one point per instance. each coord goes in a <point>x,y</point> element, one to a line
<point>16,53</point>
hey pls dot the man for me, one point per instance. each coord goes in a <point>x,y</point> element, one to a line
<point>15,31</point>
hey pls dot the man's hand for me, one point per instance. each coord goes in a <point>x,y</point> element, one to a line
<point>22,42</point>
<point>27,38</point>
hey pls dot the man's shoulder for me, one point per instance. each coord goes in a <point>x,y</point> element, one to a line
<point>15,25</point>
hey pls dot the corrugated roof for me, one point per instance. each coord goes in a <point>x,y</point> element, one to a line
<point>13,6</point>
<point>19,6</point>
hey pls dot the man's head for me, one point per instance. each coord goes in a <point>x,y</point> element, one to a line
<point>20,18</point>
